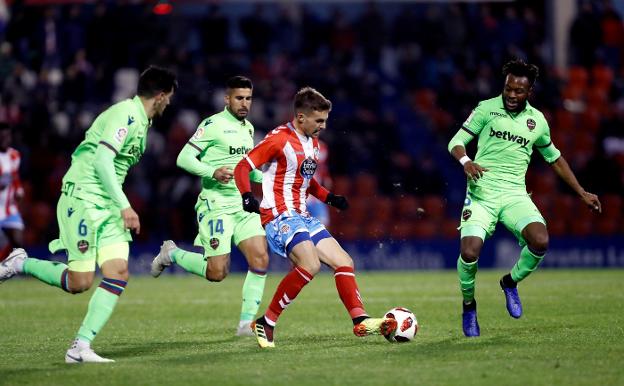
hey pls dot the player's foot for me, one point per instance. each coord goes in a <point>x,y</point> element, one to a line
<point>263,333</point>
<point>163,259</point>
<point>13,264</point>
<point>375,326</point>
<point>244,329</point>
<point>514,306</point>
<point>469,319</point>
<point>81,353</point>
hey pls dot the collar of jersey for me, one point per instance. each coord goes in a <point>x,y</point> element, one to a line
<point>291,126</point>
<point>230,117</point>
<point>141,109</point>
<point>527,109</point>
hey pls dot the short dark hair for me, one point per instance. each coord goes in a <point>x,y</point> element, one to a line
<point>519,67</point>
<point>308,99</point>
<point>239,81</point>
<point>155,80</point>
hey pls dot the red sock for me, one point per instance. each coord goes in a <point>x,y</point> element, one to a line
<point>349,292</point>
<point>5,251</point>
<point>286,292</point>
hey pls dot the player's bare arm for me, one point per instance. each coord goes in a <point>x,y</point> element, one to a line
<point>563,170</point>
<point>473,170</point>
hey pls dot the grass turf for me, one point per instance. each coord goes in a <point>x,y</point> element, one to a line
<point>180,331</point>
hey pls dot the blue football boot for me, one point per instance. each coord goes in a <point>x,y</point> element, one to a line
<point>469,319</point>
<point>514,306</point>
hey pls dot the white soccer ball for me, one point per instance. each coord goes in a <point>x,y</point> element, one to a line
<point>407,325</point>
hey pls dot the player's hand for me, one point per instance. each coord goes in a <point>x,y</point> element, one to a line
<point>473,170</point>
<point>250,204</point>
<point>337,201</point>
<point>224,174</point>
<point>131,220</point>
<point>592,201</point>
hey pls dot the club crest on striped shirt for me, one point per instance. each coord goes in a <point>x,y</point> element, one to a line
<point>83,246</point>
<point>531,124</point>
<point>308,167</point>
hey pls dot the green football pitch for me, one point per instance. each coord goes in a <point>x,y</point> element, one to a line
<point>180,331</point>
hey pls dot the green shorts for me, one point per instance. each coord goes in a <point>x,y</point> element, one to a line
<point>84,228</point>
<point>218,229</point>
<point>514,209</point>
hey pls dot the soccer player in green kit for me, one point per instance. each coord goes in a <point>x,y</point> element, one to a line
<point>217,146</point>
<point>93,213</point>
<point>507,128</point>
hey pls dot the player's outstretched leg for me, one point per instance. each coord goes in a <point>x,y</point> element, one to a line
<point>13,264</point>
<point>263,330</point>
<point>81,352</point>
<point>253,288</point>
<point>286,292</point>
<point>163,259</point>
<point>101,306</point>
<point>469,319</point>
<point>512,299</point>
<point>363,325</point>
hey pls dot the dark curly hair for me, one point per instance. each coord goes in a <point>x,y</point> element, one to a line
<point>519,67</point>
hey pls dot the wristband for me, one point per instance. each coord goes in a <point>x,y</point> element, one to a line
<point>464,159</point>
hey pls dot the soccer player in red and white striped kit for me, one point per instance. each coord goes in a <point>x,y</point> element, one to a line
<point>288,158</point>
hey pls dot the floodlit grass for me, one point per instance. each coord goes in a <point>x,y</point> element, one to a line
<point>180,331</point>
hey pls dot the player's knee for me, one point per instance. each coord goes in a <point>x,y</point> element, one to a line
<point>216,275</point>
<point>119,274</point>
<point>312,267</point>
<point>259,262</point>
<point>470,254</point>
<point>79,285</point>
<point>539,243</point>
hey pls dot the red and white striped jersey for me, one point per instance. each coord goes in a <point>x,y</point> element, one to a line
<point>288,161</point>
<point>9,182</point>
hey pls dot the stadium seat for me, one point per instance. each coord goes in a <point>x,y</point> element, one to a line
<point>449,228</point>
<point>607,226</point>
<point>383,210</point>
<point>611,206</point>
<point>341,185</point>
<point>365,185</point>
<point>602,77</point>
<point>557,226</point>
<point>578,76</point>
<point>376,230</point>
<point>408,207</point>
<point>401,231</point>
<point>434,207</point>
<point>425,100</point>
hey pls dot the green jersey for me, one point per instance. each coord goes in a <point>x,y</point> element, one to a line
<point>222,140</point>
<point>506,142</point>
<point>123,129</point>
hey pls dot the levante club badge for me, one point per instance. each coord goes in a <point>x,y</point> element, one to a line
<point>466,214</point>
<point>214,243</point>
<point>530,124</point>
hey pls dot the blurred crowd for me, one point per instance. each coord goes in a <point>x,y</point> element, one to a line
<point>402,79</point>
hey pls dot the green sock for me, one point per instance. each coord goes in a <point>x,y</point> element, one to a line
<point>527,263</point>
<point>191,262</point>
<point>50,272</point>
<point>252,295</point>
<point>101,307</point>
<point>467,273</point>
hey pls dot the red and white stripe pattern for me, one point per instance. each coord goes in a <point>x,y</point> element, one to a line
<point>280,157</point>
<point>9,182</point>
<point>286,292</point>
